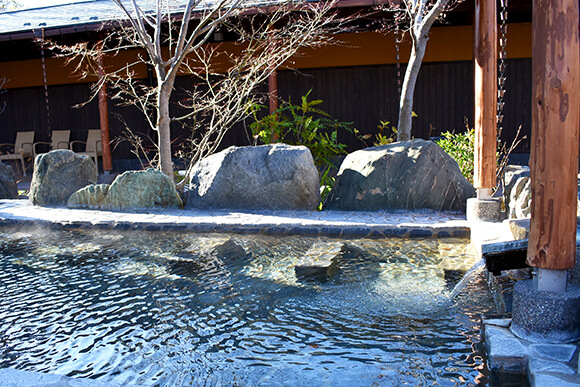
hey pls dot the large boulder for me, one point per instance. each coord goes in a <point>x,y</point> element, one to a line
<point>130,190</point>
<point>58,174</point>
<point>8,187</point>
<point>277,176</point>
<point>403,175</point>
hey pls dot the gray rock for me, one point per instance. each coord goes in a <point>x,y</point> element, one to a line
<point>514,181</point>
<point>58,174</point>
<point>403,175</point>
<point>276,177</point>
<point>130,190</point>
<point>8,187</point>
<point>520,200</point>
<point>520,228</point>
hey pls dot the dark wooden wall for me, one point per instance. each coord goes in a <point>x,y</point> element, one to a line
<point>363,95</point>
<point>444,97</point>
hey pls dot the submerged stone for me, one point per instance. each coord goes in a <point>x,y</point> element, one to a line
<point>320,263</point>
<point>58,174</point>
<point>275,177</point>
<point>404,175</point>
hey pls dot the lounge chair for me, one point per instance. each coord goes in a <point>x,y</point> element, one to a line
<point>21,149</point>
<point>93,145</point>
<point>60,140</point>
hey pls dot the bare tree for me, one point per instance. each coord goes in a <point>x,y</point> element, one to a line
<point>176,44</point>
<point>421,14</point>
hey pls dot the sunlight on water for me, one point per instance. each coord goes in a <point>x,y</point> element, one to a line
<point>207,309</point>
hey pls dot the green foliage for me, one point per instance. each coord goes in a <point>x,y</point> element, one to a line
<point>382,138</point>
<point>460,147</point>
<point>304,124</point>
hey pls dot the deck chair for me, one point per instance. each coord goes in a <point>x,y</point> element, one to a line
<point>21,149</point>
<point>60,140</point>
<point>93,145</point>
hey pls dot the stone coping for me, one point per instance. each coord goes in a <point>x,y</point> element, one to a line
<point>404,224</point>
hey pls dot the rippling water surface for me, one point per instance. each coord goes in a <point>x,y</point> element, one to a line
<point>173,309</point>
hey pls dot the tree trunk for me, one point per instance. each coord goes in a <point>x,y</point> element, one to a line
<point>406,104</point>
<point>164,129</point>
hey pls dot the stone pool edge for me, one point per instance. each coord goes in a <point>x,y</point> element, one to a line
<point>416,224</point>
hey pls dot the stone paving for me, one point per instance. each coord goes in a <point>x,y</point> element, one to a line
<point>328,223</point>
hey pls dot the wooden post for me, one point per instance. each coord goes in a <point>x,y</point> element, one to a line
<point>555,127</point>
<point>273,91</point>
<point>104,121</point>
<point>485,55</point>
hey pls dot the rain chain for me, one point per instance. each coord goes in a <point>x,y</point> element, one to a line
<point>45,83</point>
<point>502,65</point>
<point>398,59</point>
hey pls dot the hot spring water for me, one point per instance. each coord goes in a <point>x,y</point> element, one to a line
<point>186,309</point>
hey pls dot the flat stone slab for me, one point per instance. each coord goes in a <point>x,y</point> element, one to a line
<point>505,351</point>
<point>405,224</point>
<point>319,264</point>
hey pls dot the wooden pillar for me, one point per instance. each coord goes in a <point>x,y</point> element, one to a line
<point>104,122</point>
<point>485,55</point>
<point>273,91</point>
<point>555,127</point>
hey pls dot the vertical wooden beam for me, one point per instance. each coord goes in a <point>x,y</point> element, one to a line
<point>104,122</point>
<point>485,55</point>
<point>273,91</point>
<point>555,127</point>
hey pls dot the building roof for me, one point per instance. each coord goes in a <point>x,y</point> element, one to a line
<point>79,16</point>
<point>89,15</point>
<point>75,16</point>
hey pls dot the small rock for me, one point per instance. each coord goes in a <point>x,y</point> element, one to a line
<point>88,197</point>
<point>130,190</point>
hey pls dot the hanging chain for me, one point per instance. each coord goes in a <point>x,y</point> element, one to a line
<point>398,59</point>
<point>45,84</point>
<point>502,66</point>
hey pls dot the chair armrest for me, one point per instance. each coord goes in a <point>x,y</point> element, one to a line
<point>35,148</point>
<point>31,147</point>
<point>72,143</point>
<point>65,143</point>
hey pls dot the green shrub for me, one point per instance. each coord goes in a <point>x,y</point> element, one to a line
<point>460,147</point>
